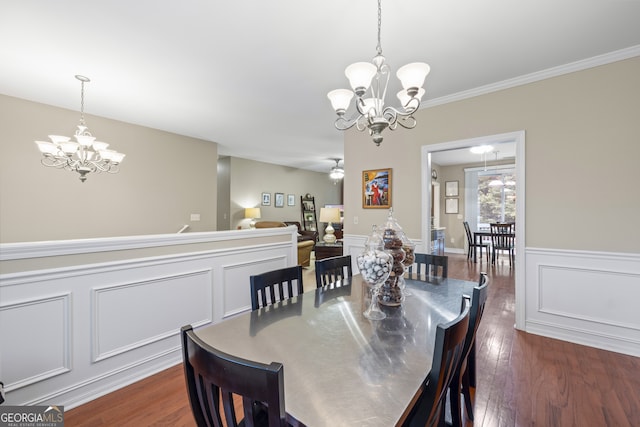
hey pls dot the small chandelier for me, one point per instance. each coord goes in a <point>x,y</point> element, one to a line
<point>84,156</point>
<point>371,112</point>
<point>336,173</point>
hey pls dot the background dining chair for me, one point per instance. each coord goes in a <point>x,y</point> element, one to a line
<point>502,239</point>
<point>331,270</point>
<point>473,245</point>
<point>430,265</point>
<point>268,288</point>
<point>461,382</point>
<point>213,376</point>
<point>450,337</point>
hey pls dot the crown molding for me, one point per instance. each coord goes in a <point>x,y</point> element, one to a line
<point>572,67</point>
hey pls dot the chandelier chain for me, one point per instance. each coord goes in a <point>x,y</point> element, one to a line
<point>82,102</point>
<point>379,46</point>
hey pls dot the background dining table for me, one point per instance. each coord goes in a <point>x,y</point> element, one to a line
<point>341,369</point>
<point>478,236</point>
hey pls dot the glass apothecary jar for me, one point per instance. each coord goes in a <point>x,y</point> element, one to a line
<point>391,291</point>
<point>375,265</point>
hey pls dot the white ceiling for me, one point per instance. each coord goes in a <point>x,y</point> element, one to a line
<point>253,75</point>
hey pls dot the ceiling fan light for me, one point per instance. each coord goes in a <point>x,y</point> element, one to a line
<point>336,173</point>
<point>340,99</point>
<point>360,75</point>
<point>413,75</point>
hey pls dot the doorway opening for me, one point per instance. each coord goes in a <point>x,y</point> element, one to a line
<point>427,164</point>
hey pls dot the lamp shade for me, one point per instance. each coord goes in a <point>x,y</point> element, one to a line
<point>360,75</point>
<point>413,75</point>
<point>340,99</point>
<point>252,213</point>
<point>329,215</point>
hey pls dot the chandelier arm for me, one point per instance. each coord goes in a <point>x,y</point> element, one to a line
<point>360,107</point>
<point>54,162</point>
<point>408,122</point>
<point>342,123</point>
<point>362,124</point>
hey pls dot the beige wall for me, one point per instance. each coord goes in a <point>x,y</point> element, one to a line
<point>164,178</point>
<point>250,178</point>
<point>582,151</point>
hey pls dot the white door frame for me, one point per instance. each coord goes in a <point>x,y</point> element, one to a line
<point>519,139</point>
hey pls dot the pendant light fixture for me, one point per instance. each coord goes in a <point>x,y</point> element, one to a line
<point>336,173</point>
<point>83,156</point>
<point>371,112</point>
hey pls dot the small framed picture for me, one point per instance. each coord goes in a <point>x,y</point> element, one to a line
<point>291,199</point>
<point>266,199</point>
<point>451,206</point>
<point>279,203</point>
<point>451,189</point>
<point>376,189</point>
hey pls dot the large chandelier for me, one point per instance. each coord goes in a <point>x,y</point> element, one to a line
<point>371,112</point>
<point>83,156</point>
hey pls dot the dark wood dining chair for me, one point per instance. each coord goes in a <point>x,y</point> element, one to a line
<point>502,239</point>
<point>213,377</point>
<point>276,285</point>
<point>430,265</point>
<point>461,382</point>
<point>429,409</point>
<point>473,245</point>
<point>331,270</point>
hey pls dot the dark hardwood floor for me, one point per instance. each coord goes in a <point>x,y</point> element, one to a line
<point>523,379</point>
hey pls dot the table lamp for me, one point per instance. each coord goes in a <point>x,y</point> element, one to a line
<point>253,214</point>
<point>329,215</point>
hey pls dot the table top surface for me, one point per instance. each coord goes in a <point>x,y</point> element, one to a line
<point>341,369</point>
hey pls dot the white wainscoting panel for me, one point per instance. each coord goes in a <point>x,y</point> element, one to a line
<point>589,298</point>
<point>135,314</point>
<point>33,352</point>
<point>72,333</point>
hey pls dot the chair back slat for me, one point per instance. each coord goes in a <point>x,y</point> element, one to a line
<point>213,377</point>
<point>467,231</point>
<point>276,285</point>
<point>332,270</point>
<point>431,265</point>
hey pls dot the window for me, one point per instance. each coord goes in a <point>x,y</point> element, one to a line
<point>490,196</point>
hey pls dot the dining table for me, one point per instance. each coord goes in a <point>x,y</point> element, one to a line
<point>480,235</point>
<point>340,368</point>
